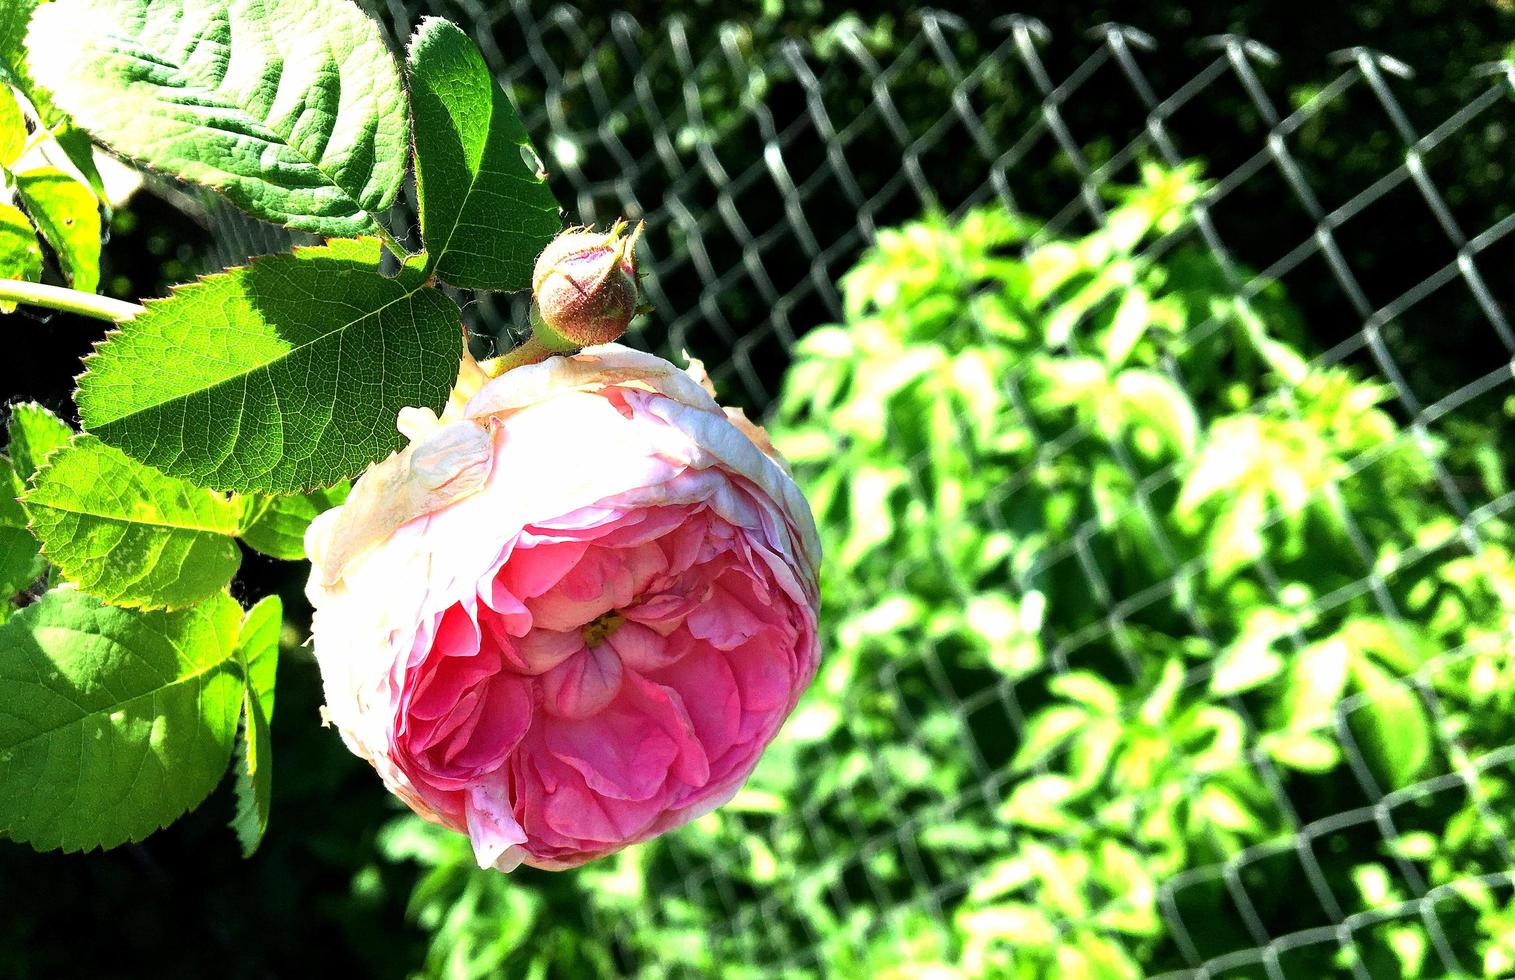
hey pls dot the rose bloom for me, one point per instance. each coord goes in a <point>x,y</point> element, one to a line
<point>572,613</point>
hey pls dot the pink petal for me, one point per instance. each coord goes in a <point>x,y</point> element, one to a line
<point>583,684</point>
<point>645,649</point>
<point>682,546</point>
<point>457,634</point>
<point>492,827</point>
<point>541,650</point>
<point>692,767</point>
<point>532,571</point>
<point>724,619</point>
<point>763,675</point>
<point>648,525</point>
<point>424,733</point>
<point>504,716</point>
<point>709,692</point>
<point>621,753</point>
<point>453,667</point>
<point>586,818</point>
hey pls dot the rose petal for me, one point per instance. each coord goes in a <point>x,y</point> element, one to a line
<point>532,571</point>
<point>644,649</point>
<point>584,683</point>
<point>492,828</point>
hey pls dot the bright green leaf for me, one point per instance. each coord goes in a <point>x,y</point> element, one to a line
<point>34,432</point>
<point>1037,802</point>
<point>1251,661</point>
<point>1149,399</point>
<point>1392,727</point>
<point>68,215</point>
<point>75,144</point>
<point>15,15</point>
<point>1220,806</point>
<point>286,374</point>
<point>1317,681</point>
<point>1050,730</point>
<point>485,211</point>
<point>1088,689</point>
<point>114,722</point>
<point>12,128</point>
<point>258,652</point>
<point>20,255</point>
<point>20,558</point>
<point>129,534</point>
<point>305,124</point>
<point>1305,751</point>
<point>1132,318</point>
<point>1236,538</point>
<point>276,525</point>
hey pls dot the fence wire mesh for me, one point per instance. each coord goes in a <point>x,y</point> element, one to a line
<point>764,166</point>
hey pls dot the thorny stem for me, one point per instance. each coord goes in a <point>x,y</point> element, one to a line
<point>67,300</point>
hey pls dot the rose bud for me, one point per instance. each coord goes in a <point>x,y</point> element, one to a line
<point>584,288</point>
<point>571,615</point>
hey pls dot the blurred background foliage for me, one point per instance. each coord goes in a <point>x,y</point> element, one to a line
<point>1153,637</point>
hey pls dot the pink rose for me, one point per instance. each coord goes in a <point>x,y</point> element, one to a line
<point>572,613</point>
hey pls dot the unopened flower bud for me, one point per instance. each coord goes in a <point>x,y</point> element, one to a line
<point>584,288</point>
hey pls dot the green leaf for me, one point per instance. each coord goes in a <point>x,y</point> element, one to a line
<point>1317,681</point>
<point>21,562</point>
<point>1246,664</point>
<point>76,145</point>
<point>1132,318</point>
<point>1305,751</point>
<point>1049,731</point>
<point>114,723</point>
<point>283,375</point>
<point>68,215</point>
<point>1087,689</point>
<point>258,652</point>
<point>12,128</point>
<point>1392,727</point>
<point>294,109</point>
<point>129,534</point>
<point>485,211</point>
<point>34,432</point>
<point>1038,802</point>
<point>15,15</point>
<point>276,525</point>
<point>1152,400</point>
<point>20,255</point>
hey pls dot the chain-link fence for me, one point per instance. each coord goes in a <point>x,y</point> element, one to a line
<point>764,166</point>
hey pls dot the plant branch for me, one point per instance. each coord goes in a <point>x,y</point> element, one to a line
<point>67,300</point>
<point>531,351</point>
<point>390,242</point>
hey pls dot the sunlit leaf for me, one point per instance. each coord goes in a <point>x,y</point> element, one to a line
<point>20,255</point>
<point>280,376</point>
<point>114,722</point>
<point>258,654</point>
<point>1392,727</point>
<point>21,560</point>
<point>306,125</point>
<point>12,128</point>
<point>486,212</point>
<point>68,215</point>
<point>15,16</point>
<point>129,534</point>
<point>275,525</point>
<point>34,432</point>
